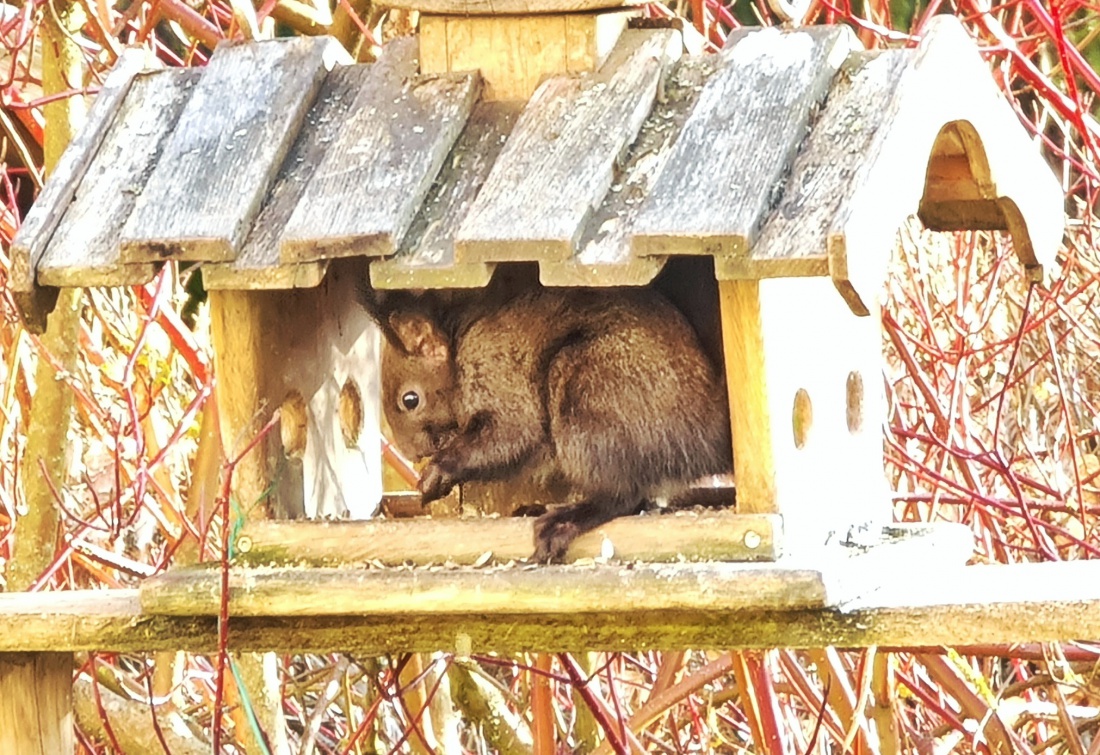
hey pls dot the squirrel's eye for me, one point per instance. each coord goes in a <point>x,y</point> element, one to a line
<point>410,400</point>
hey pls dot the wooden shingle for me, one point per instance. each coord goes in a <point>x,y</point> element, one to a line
<point>259,264</point>
<point>736,147</point>
<point>84,249</point>
<point>426,257</point>
<point>226,149</point>
<point>561,158</point>
<point>378,169</point>
<point>34,234</point>
<point>604,256</point>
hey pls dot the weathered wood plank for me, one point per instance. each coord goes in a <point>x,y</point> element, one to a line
<point>793,240</point>
<point>675,537</point>
<point>1042,602</point>
<point>36,703</point>
<point>226,149</point>
<point>836,574</point>
<point>604,256</point>
<point>84,250</point>
<point>560,160</point>
<point>260,264</point>
<point>34,234</point>
<point>426,256</point>
<point>737,145</point>
<point>537,590</point>
<point>516,53</point>
<point>363,196</point>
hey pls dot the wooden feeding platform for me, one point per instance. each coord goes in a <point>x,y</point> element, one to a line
<point>960,606</point>
<point>590,147</point>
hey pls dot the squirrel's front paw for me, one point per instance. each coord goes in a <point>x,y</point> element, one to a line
<point>434,483</point>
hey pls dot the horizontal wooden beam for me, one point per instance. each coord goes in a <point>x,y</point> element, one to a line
<point>827,576</point>
<point>959,606</point>
<point>680,536</point>
<point>521,589</point>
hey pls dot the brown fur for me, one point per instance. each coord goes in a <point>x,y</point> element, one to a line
<point>607,390</point>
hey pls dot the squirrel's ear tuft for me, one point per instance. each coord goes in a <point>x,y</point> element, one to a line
<point>417,335</point>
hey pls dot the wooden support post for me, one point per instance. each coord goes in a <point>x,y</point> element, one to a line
<point>36,688</point>
<point>515,53</point>
<point>300,350</point>
<point>36,703</point>
<point>242,360</point>
<point>750,418</point>
<point>806,406</point>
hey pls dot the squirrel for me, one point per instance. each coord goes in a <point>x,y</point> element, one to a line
<point>608,390</point>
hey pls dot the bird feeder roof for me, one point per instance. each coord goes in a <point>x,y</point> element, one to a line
<point>789,153</point>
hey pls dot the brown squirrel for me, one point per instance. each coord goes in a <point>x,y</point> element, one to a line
<point>609,390</point>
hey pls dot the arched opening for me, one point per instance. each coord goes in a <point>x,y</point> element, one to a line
<point>959,192</point>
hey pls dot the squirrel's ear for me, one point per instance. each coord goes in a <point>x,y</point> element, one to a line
<point>418,336</point>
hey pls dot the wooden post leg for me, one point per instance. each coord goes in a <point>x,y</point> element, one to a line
<point>239,321</point>
<point>36,703</point>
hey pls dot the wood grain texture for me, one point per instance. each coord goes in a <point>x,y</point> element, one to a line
<point>751,422</point>
<point>736,147</point>
<point>36,703</point>
<point>681,536</point>
<point>835,575</point>
<point>604,255</point>
<point>771,358</point>
<point>1004,183</point>
<point>591,37</point>
<point>426,257</point>
<point>38,226</point>
<point>1037,602</point>
<point>84,250</point>
<point>553,589</point>
<point>259,264</point>
<point>561,158</point>
<point>793,239</point>
<point>226,149</point>
<point>515,54</point>
<point>268,344</point>
<point>509,7</point>
<point>363,196</point>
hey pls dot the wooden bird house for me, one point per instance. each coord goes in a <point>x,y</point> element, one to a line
<point>594,148</point>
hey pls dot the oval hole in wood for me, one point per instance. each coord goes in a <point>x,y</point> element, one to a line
<point>854,401</point>
<point>292,425</point>
<point>802,418</point>
<point>351,413</point>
